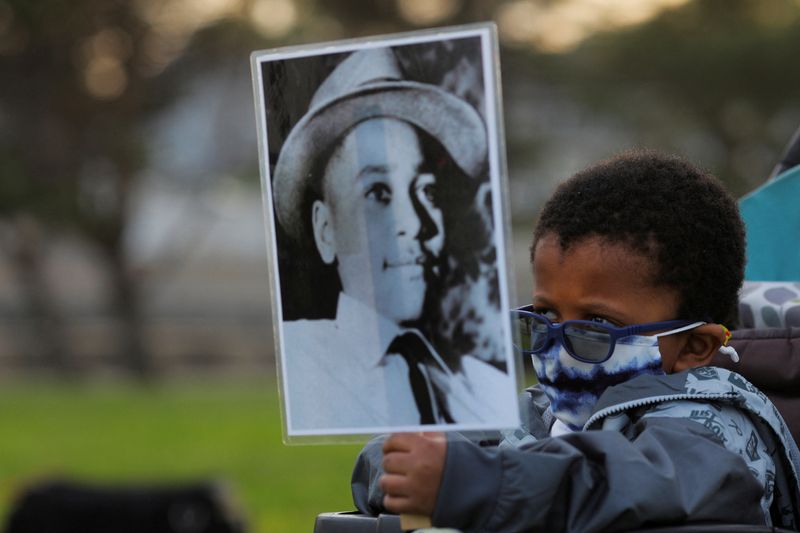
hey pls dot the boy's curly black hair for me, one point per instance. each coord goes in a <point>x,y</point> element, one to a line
<point>667,209</point>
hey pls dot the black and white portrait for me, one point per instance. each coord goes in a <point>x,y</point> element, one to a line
<point>383,195</point>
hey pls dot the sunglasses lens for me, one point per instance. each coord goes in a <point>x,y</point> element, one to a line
<point>588,342</point>
<point>531,333</point>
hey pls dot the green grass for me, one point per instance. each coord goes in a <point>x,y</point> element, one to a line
<point>171,432</point>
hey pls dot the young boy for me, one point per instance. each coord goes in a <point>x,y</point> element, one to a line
<point>629,426</point>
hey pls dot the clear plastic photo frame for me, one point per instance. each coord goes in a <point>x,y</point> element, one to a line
<point>390,290</point>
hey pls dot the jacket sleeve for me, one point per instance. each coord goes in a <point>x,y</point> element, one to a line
<point>666,470</point>
<point>364,483</point>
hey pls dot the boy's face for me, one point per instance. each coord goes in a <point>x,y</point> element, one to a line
<point>605,282</point>
<point>385,224</point>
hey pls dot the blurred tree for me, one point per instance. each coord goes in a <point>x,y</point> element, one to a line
<point>361,17</point>
<point>714,78</point>
<point>75,89</point>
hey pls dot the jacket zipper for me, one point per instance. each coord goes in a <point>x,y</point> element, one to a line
<point>635,404</point>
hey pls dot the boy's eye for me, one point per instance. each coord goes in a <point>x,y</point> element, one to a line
<point>551,315</point>
<point>429,192</point>
<point>604,321</point>
<point>378,192</point>
<point>426,188</point>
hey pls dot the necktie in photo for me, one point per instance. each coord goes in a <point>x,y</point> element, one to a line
<point>414,350</point>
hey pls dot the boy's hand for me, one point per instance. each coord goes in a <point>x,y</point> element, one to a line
<point>413,465</point>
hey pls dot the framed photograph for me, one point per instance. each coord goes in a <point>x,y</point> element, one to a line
<point>383,183</point>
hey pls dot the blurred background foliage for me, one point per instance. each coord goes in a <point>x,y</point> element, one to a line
<point>131,235</point>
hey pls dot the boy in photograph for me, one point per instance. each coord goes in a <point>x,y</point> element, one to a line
<point>637,264</point>
<point>362,175</point>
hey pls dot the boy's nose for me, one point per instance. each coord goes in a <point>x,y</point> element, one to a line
<point>407,216</point>
<point>427,227</point>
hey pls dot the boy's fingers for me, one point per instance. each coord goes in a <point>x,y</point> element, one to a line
<point>413,465</point>
<point>397,463</point>
<point>400,442</point>
<point>397,504</point>
<point>394,485</point>
<point>404,442</point>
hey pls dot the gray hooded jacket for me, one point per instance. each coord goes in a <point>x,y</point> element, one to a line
<point>702,446</point>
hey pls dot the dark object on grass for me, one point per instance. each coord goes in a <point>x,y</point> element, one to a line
<point>69,507</point>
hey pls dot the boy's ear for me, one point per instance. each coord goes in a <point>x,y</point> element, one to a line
<point>323,231</point>
<point>701,344</point>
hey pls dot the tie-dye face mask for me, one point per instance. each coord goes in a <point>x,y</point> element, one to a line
<point>574,387</point>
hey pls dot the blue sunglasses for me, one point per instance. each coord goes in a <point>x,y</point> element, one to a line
<point>586,341</point>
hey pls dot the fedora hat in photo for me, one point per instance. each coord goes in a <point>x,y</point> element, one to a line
<point>368,84</point>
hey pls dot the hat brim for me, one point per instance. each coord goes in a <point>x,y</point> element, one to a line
<point>445,117</point>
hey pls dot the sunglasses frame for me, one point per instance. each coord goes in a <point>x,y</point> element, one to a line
<point>555,332</point>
